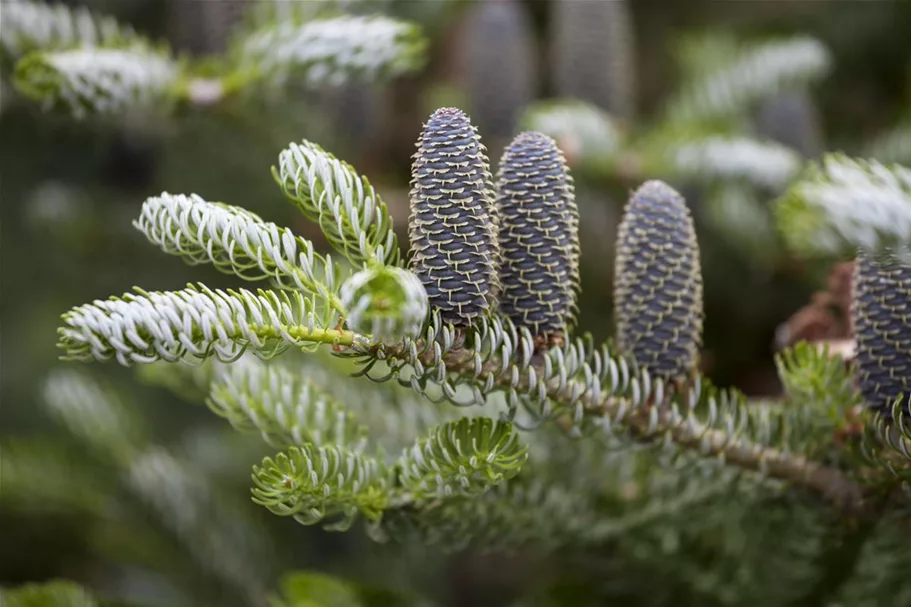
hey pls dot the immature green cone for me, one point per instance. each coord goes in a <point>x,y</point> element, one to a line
<point>539,236</point>
<point>658,283</point>
<point>453,223</point>
<point>881,313</point>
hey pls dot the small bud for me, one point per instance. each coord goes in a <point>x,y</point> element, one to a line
<point>386,302</point>
<point>658,283</point>
<point>453,223</point>
<point>539,236</point>
<point>881,313</point>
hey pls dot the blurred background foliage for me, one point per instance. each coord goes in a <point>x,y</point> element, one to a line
<point>70,189</point>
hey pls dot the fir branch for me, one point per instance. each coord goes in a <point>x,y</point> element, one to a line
<point>53,593</point>
<point>465,457</point>
<point>208,522</point>
<point>286,408</point>
<point>881,573</point>
<point>517,514</point>
<point>238,242</point>
<point>842,203</point>
<point>751,74</point>
<point>332,50</point>
<point>188,381</point>
<point>534,511</point>
<point>394,425</point>
<point>893,145</point>
<point>196,323</point>
<point>687,432</point>
<point>583,131</point>
<point>657,508</point>
<point>820,393</point>
<point>814,375</point>
<point>764,163</point>
<point>273,11</point>
<point>314,483</point>
<point>43,476</point>
<point>93,413</point>
<point>331,193</point>
<point>89,81</point>
<point>581,382</point>
<point>886,441</point>
<point>29,26</point>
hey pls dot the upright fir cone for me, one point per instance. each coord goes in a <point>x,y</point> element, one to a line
<point>205,28</point>
<point>881,314</point>
<point>791,118</point>
<point>658,283</point>
<point>453,224</point>
<point>497,55</point>
<point>593,54</point>
<point>539,236</point>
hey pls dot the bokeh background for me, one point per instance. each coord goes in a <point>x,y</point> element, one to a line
<point>70,190</point>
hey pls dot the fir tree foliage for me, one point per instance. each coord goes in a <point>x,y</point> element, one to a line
<point>748,74</point>
<point>163,479</point>
<point>654,450</point>
<point>331,193</point>
<point>768,165</point>
<point>84,64</point>
<point>97,80</point>
<point>843,203</point>
<point>197,322</point>
<point>29,25</point>
<point>331,50</point>
<point>893,145</point>
<point>237,242</point>
<point>286,409</point>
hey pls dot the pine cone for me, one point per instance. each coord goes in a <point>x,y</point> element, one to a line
<point>658,283</point>
<point>453,223</point>
<point>539,235</point>
<point>881,313</point>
